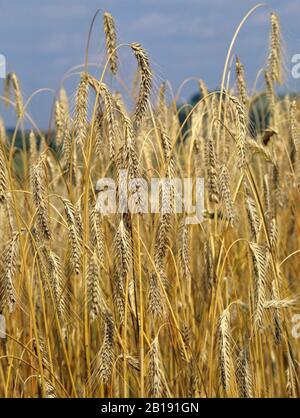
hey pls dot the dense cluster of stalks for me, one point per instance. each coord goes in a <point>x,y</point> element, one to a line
<point>134,304</point>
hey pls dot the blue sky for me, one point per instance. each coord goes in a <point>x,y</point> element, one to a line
<point>42,39</point>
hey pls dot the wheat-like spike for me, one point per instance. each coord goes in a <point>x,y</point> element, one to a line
<point>80,118</point>
<point>166,206</point>
<point>98,128</point>
<point>33,152</point>
<point>276,313</point>
<point>9,258</point>
<point>199,125</point>
<point>146,82</point>
<point>166,145</point>
<point>78,218</point>
<point>291,384</point>
<point>184,249</point>
<point>97,233</point>
<point>226,194</point>
<point>67,147</point>
<point>292,378</point>
<point>193,378</point>
<point>108,101</point>
<point>186,338</point>
<point>119,296</point>
<point>214,108</point>
<point>59,122</point>
<point>198,156</point>
<point>273,232</point>
<point>241,126</point>
<point>75,246</point>
<point>271,100</point>
<point>69,157</point>
<point>224,349</point>
<point>106,96</point>
<point>57,284</point>
<point>280,303</point>
<point>12,79</point>
<point>162,239</point>
<point>156,298</point>
<point>211,168</point>
<point>203,89</point>
<point>261,258</point>
<point>294,126</point>
<point>51,391</point>
<point>3,174</point>
<point>40,198</point>
<point>274,63</point>
<point>111,41</point>
<point>154,377</point>
<point>122,250</point>
<point>109,114</point>
<point>65,115</point>
<point>9,209</point>
<point>64,104</point>
<point>42,252</point>
<point>170,162</point>
<point>3,136</point>
<point>162,108</point>
<point>130,145</point>
<point>244,374</point>
<point>18,95</point>
<point>119,102</point>
<point>74,234</point>
<point>241,83</point>
<point>295,139</point>
<point>103,363</point>
<point>257,148</point>
<point>127,158</point>
<point>96,301</point>
<point>43,351</point>
<point>134,362</point>
<point>122,262</point>
<point>70,212</point>
<point>252,214</point>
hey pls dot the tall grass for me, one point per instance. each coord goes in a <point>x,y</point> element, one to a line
<point>136,304</point>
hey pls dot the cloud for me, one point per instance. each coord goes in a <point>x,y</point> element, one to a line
<point>57,10</point>
<point>59,42</point>
<point>174,26</point>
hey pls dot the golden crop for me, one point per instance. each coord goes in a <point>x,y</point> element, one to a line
<point>145,304</point>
